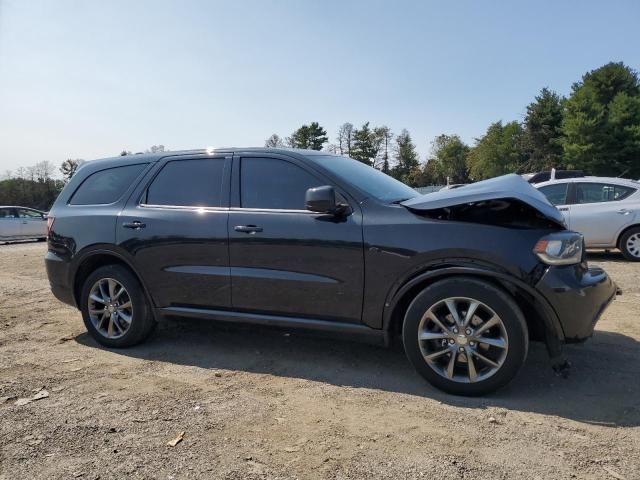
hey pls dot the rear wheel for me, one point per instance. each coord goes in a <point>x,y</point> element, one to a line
<point>114,307</point>
<point>465,336</point>
<point>630,244</point>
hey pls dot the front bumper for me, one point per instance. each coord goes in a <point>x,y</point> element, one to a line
<point>579,295</point>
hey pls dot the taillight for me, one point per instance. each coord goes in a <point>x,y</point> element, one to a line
<point>50,221</point>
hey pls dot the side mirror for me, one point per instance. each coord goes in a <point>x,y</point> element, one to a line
<point>321,199</point>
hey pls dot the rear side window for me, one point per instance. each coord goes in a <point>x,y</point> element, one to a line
<point>106,186</point>
<point>270,183</point>
<point>188,183</point>
<point>601,192</point>
<point>8,213</point>
<point>556,193</point>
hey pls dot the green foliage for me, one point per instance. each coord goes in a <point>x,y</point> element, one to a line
<point>407,168</point>
<point>543,131</point>
<point>448,160</point>
<point>601,124</point>
<point>498,152</point>
<point>311,136</point>
<point>24,192</point>
<point>366,145</point>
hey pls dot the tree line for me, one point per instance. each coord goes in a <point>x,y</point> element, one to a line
<point>595,129</point>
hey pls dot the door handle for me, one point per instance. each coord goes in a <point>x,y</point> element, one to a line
<point>247,228</point>
<point>135,225</point>
<point>563,209</point>
<point>623,211</point>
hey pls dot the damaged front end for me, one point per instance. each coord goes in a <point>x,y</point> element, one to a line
<point>507,201</point>
<point>575,293</point>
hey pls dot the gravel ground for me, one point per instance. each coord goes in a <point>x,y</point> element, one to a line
<point>256,403</point>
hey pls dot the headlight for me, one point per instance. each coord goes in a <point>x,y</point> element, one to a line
<point>562,248</point>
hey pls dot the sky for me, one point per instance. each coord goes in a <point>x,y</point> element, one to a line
<point>87,79</point>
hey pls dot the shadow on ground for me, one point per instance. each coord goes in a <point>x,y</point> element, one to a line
<point>602,387</point>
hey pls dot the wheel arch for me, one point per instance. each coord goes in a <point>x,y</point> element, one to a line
<point>625,230</point>
<point>94,259</point>
<point>542,322</point>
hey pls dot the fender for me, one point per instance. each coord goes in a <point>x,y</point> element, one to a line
<point>97,250</point>
<point>553,328</point>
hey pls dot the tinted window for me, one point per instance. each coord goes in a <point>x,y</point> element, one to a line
<point>191,183</point>
<point>24,213</point>
<point>106,186</point>
<point>601,192</point>
<point>556,193</point>
<point>274,184</point>
<point>7,213</point>
<point>366,178</point>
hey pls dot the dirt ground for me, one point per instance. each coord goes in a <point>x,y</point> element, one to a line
<point>257,403</point>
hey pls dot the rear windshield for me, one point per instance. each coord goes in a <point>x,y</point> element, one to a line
<point>106,186</point>
<point>368,179</point>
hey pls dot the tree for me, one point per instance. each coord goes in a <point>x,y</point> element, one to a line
<point>365,145</point>
<point>543,132</point>
<point>407,168</point>
<point>156,149</point>
<point>498,152</point>
<point>448,161</point>
<point>601,124</point>
<point>384,136</point>
<point>345,138</point>
<point>274,141</point>
<point>68,168</point>
<point>311,136</point>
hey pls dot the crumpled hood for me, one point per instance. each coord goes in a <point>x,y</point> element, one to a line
<point>506,187</point>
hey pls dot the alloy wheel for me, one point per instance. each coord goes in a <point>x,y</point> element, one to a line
<point>110,308</point>
<point>463,339</point>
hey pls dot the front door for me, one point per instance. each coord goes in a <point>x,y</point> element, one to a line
<point>175,231</point>
<point>32,222</point>
<point>10,224</point>
<point>284,259</point>
<point>598,214</point>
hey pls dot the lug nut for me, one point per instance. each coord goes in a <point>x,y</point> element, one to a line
<point>455,330</point>
<point>468,332</point>
<point>473,344</point>
<point>451,342</point>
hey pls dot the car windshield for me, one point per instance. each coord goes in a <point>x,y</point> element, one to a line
<point>368,179</point>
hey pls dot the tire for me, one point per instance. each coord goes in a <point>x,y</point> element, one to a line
<point>493,365</point>
<point>113,331</point>
<point>630,244</point>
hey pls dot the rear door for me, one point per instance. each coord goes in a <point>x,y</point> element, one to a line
<point>286,260</point>
<point>175,229</point>
<point>10,224</point>
<point>598,212</point>
<point>32,223</point>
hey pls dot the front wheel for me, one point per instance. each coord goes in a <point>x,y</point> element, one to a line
<point>465,336</point>
<point>114,307</point>
<point>630,244</point>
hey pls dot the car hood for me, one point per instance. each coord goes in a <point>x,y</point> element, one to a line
<point>506,187</point>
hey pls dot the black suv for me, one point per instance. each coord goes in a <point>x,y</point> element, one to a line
<point>296,238</point>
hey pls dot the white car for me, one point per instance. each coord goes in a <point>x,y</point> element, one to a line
<point>21,223</point>
<point>605,210</point>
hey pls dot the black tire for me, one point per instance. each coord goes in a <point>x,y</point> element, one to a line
<point>142,321</point>
<point>632,255</point>
<point>491,296</point>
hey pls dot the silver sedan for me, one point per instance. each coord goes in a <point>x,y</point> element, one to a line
<point>21,223</point>
<point>605,210</point>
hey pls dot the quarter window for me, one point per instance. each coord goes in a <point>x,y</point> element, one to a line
<point>106,186</point>
<point>601,192</point>
<point>189,183</point>
<point>556,193</point>
<point>270,183</point>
